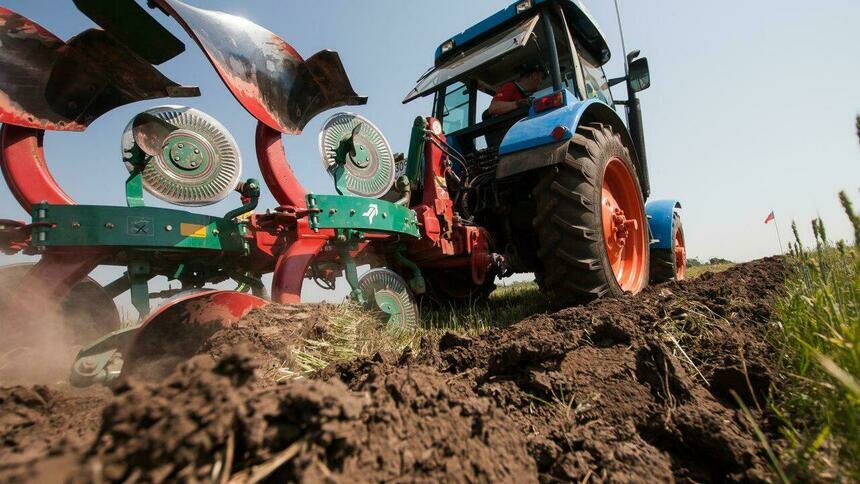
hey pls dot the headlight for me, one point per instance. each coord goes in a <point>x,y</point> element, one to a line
<point>524,5</point>
<point>447,46</point>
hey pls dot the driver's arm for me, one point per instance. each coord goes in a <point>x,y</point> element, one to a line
<point>501,107</point>
<point>503,102</point>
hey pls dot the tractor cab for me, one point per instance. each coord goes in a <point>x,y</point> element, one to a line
<point>473,65</point>
<point>512,172</point>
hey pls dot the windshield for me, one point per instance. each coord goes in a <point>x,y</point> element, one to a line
<point>596,84</point>
<point>499,45</point>
<point>464,100</point>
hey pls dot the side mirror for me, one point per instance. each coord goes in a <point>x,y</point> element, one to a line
<point>638,75</point>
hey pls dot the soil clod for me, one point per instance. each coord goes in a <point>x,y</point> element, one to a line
<point>630,389</point>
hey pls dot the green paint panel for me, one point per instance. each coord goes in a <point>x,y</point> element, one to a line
<point>139,227</point>
<point>359,213</point>
<point>416,151</point>
<point>186,155</point>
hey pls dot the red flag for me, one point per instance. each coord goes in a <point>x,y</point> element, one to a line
<point>769,217</point>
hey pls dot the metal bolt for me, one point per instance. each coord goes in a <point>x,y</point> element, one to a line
<point>181,145</point>
<point>176,158</point>
<point>76,225</point>
<point>332,211</point>
<point>384,215</point>
<point>216,232</point>
<point>196,151</point>
<point>109,226</point>
<point>87,365</point>
<point>352,212</point>
<point>193,164</point>
<point>168,227</point>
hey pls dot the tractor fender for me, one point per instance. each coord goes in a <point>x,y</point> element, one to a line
<point>660,214</point>
<point>529,143</point>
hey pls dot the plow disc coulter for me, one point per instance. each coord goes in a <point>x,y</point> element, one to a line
<point>440,222</point>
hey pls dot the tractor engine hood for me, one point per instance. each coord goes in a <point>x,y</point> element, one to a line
<point>265,73</point>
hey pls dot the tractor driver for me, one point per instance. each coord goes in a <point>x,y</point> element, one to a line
<point>517,94</point>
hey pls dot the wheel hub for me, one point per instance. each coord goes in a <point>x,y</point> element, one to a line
<point>622,226</point>
<point>622,217</point>
<point>186,155</point>
<point>362,156</point>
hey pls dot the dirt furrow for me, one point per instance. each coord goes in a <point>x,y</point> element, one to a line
<point>633,389</point>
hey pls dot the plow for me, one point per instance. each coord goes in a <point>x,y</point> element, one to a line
<point>557,188</point>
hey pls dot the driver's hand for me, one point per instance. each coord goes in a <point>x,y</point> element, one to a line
<point>525,103</point>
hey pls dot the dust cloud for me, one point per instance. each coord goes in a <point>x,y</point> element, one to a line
<point>38,351</point>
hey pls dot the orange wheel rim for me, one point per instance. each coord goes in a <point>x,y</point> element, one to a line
<point>680,256</point>
<point>623,220</point>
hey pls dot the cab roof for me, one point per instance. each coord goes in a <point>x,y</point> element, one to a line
<point>579,19</point>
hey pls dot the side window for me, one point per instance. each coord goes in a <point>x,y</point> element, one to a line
<point>482,103</point>
<point>455,112</point>
<point>596,84</point>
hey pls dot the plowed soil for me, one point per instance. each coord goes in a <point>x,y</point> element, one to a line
<point>640,388</point>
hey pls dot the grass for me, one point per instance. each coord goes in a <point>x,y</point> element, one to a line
<point>351,332</point>
<point>507,305</point>
<point>696,271</point>
<point>818,404</point>
<point>354,332</point>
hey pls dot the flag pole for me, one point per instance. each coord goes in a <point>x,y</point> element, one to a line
<point>778,238</point>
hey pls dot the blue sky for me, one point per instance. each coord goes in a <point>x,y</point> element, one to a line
<point>751,107</point>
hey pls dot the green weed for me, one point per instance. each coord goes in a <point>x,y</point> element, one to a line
<point>819,356</point>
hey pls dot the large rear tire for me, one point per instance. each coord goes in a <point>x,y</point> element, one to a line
<point>670,264</point>
<point>590,220</point>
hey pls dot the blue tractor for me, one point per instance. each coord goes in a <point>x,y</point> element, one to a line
<point>559,181</point>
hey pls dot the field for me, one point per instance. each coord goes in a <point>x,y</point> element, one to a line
<point>753,365</point>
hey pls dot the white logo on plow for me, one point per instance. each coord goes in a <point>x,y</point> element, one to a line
<point>371,212</point>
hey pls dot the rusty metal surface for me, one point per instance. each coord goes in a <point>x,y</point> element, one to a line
<point>129,23</point>
<point>264,72</point>
<point>48,84</point>
<point>27,52</point>
<point>176,330</point>
<point>150,132</point>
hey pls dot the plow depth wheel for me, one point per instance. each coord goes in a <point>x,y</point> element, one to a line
<point>388,292</point>
<point>590,220</point>
<point>87,311</point>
